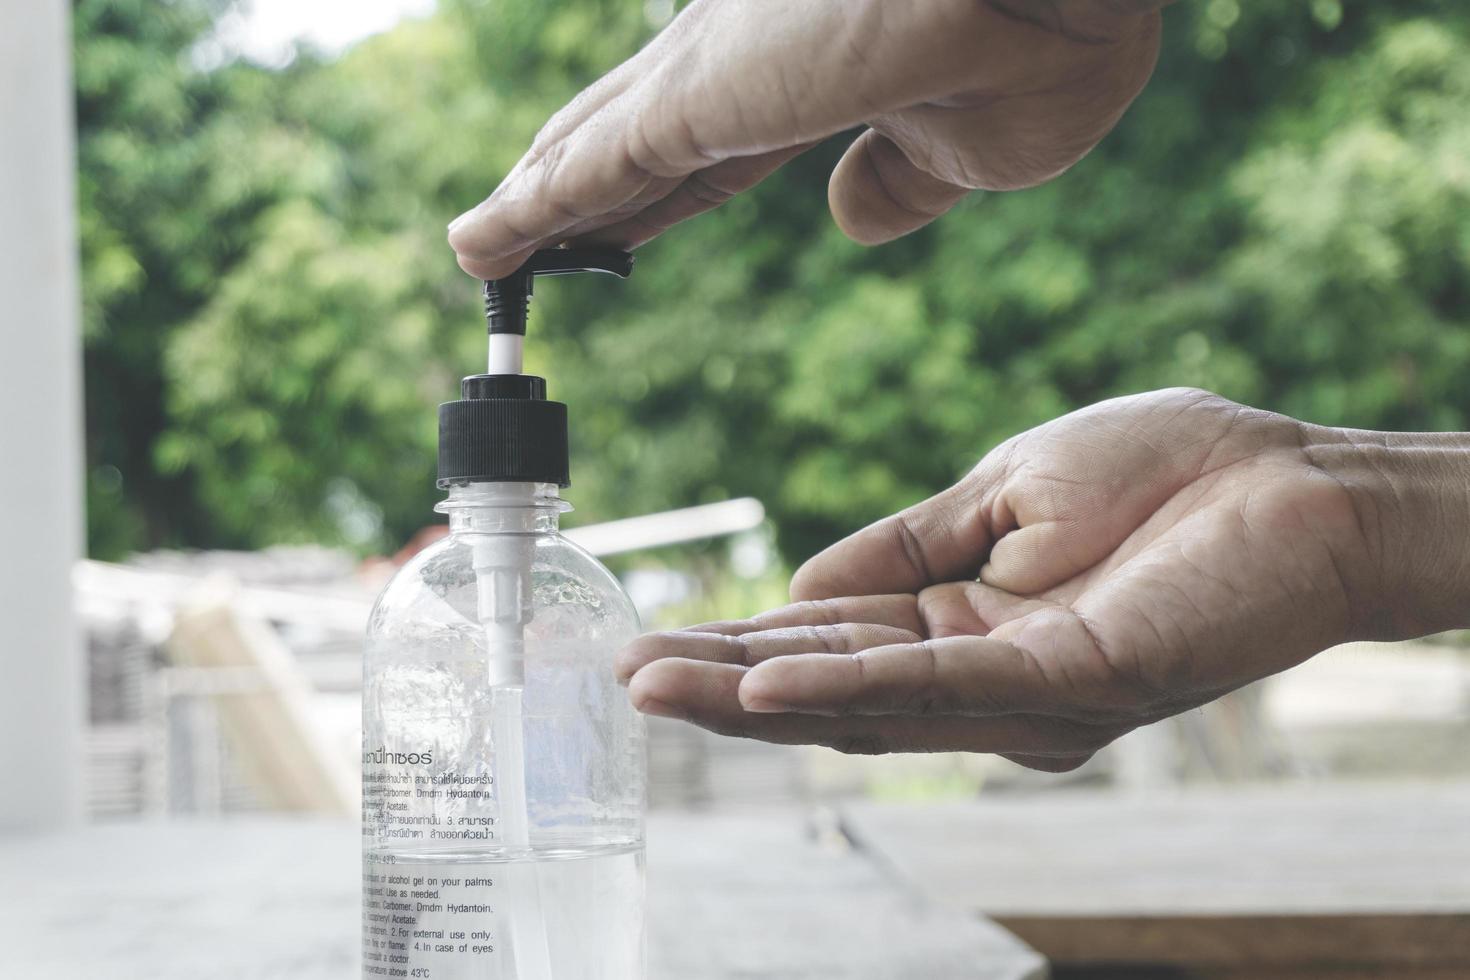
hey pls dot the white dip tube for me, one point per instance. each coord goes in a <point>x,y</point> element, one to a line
<point>502,563</point>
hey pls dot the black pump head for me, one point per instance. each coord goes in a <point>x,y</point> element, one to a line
<point>507,298</point>
<point>503,428</point>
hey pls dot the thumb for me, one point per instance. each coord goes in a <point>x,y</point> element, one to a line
<point>941,539</point>
<point>877,194</point>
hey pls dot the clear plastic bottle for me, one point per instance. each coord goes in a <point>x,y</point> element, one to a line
<point>502,821</point>
<point>503,768</point>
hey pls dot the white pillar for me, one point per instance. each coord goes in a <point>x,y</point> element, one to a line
<point>42,695</point>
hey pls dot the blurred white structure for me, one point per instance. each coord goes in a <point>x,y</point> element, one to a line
<point>41,721</point>
<point>210,697</point>
<point>268,32</point>
<point>670,527</point>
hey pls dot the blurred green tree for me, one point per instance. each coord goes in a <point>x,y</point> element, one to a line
<point>273,314</point>
<point>147,257</point>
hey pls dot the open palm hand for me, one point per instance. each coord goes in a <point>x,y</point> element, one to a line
<point>1114,567</point>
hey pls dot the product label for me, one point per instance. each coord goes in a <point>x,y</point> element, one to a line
<point>417,916</point>
<point>426,912</point>
<point>399,804</point>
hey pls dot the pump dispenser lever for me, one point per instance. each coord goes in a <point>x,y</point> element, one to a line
<point>507,299</point>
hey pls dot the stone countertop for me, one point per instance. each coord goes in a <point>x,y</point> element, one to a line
<point>767,893</point>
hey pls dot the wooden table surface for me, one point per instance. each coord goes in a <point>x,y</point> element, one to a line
<point>765,894</point>
<point>1339,882</point>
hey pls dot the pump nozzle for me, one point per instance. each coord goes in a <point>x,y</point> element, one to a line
<point>507,299</point>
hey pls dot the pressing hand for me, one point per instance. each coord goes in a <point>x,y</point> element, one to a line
<point>957,95</point>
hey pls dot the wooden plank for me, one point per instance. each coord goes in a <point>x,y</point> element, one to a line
<point>1400,941</point>
<point>1133,971</point>
<point>1340,877</point>
<point>1311,973</point>
<point>272,728</point>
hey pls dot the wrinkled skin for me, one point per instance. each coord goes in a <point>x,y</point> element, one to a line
<point>956,94</point>
<point>1116,566</point>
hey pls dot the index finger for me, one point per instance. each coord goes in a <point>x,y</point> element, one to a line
<point>706,694</point>
<point>943,539</point>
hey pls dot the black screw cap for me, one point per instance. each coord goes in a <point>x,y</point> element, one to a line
<point>503,431</point>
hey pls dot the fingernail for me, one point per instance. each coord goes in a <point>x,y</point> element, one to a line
<point>662,709</point>
<point>457,221</point>
<point>763,707</point>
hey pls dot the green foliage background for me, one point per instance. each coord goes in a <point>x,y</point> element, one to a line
<point>272,313</point>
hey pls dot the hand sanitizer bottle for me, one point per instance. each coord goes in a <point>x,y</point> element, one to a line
<point>503,769</point>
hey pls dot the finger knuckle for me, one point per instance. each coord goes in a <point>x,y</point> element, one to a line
<point>912,545</point>
<point>564,186</point>
<point>1111,679</point>
<point>927,696</point>
<point>827,609</point>
<point>701,189</point>
<point>660,140</point>
<point>740,649</point>
<point>831,639</point>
